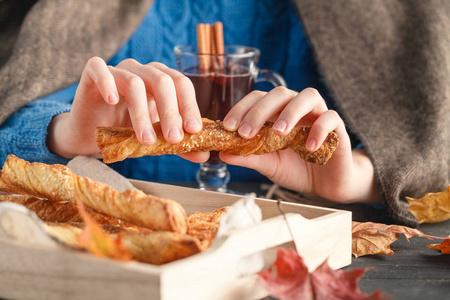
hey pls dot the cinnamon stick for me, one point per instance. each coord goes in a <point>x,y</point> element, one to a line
<point>219,45</point>
<point>204,46</point>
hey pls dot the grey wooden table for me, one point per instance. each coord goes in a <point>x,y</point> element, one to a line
<point>412,272</point>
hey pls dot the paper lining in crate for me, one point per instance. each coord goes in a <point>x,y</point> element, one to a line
<point>32,268</point>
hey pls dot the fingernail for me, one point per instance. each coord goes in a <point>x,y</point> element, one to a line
<point>280,125</point>
<point>193,124</point>
<point>174,134</point>
<point>113,98</point>
<point>245,129</point>
<point>148,137</point>
<point>230,123</point>
<point>311,144</point>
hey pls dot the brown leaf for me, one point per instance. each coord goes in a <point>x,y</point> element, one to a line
<point>288,279</point>
<point>444,246</point>
<point>375,238</point>
<point>431,208</point>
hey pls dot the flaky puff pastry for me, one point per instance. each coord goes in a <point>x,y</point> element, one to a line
<point>63,212</point>
<point>59,183</point>
<point>155,247</point>
<point>204,225</point>
<point>64,222</point>
<point>116,144</point>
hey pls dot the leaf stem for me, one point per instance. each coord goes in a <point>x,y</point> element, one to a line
<point>430,237</point>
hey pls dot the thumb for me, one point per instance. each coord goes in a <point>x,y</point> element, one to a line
<point>265,164</point>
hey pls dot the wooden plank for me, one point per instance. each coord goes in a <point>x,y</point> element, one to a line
<point>217,268</point>
<point>194,200</point>
<point>31,272</point>
<point>413,271</point>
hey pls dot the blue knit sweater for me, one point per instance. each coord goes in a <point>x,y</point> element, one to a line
<point>270,25</point>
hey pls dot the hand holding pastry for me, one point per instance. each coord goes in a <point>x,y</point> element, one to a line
<point>117,144</point>
<point>129,94</point>
<point>347,177</point>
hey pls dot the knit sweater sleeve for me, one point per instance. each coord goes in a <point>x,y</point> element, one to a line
<point>24,133</point>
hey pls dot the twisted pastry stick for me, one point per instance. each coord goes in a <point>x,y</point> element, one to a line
<point>204,225</point>
<point>59,183</point>
<point>116,144</point>
<point>155,247</point>
<point>63,212</point>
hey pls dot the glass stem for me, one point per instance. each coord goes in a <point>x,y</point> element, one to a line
<point>213,177</point>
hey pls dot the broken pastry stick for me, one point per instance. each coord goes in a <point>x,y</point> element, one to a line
<point>204,225</point>
<point>116,144</point>
<point>59,183</point>
<point>155,247</point>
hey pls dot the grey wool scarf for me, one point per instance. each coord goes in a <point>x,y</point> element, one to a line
<point>386,64</point>
<point>55,40</point>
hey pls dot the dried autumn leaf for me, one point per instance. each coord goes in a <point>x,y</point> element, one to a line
<point>375,238</point>
<point>98,242</point>
<point>444,246</point>
<point>431,208</point>
<point>338,284</point>
<point>288,279</point>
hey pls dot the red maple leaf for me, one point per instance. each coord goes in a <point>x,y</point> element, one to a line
<point>288,279</point>
<point>338,284</point>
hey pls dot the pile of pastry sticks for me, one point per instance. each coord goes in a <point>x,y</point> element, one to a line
<point>153,229</point>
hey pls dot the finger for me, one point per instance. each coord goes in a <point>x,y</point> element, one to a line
<point>97,71</point>
<point>161,86</point>
<point>305,107</point>
<point>269,105</point>
<point>196,157</point>
<point>234,117</point>
<point>187,102</point>
<point>326,123</point>
<point>133,89</point>
<point>261,163</point>
<point>154,117</point>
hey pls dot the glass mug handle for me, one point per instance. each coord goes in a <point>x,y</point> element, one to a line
<point>270,76</point>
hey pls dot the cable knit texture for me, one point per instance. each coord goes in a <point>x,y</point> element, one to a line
<point>166,24</point>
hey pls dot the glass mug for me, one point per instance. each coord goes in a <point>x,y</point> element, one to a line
<point>228,78</point>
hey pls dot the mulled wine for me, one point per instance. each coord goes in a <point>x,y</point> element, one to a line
<point>217,92</point>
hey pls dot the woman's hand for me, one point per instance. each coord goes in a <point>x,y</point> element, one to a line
<point>130,94</point>
<point>347,177</point>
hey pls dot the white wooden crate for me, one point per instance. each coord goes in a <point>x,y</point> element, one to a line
<point>42,272</point>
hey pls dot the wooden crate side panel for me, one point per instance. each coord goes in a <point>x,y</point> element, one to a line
<point>34,273</point>
<point>216,274</point>
<point>223,287</point>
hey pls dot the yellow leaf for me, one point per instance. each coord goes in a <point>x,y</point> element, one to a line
<point>431,208</point>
